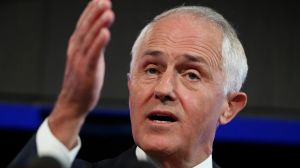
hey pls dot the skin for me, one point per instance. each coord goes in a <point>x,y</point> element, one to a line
<point>179,73</point>
<point>176,73</point>
<point>84,73</point>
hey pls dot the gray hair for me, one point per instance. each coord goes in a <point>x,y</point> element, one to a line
<point>234,61</point>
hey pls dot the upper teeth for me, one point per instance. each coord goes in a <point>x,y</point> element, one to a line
<point>163,118</point>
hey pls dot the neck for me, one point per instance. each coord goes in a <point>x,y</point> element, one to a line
<point>178,160</point>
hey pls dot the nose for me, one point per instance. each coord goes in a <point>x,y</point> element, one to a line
<point>164,89</point>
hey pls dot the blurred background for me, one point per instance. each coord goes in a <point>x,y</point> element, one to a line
<point>33,40</point>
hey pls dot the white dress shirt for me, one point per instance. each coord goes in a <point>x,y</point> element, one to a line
<point>48,145</point>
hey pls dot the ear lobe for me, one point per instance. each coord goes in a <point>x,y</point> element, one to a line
<point>128,81</point>
<point>236,102</point>
<point>128,76</point>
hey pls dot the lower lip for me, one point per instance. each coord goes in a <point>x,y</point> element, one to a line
<point>160,123</point>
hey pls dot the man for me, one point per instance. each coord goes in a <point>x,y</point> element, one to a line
<point>185,77</point>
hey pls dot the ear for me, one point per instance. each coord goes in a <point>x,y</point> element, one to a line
<point>128,81</point>
<point>236,102</point>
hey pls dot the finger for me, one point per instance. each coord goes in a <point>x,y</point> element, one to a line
<point>105,21</point>
<point>72,45</point>
<point>91,14</point>
<point>85,12</point>
<point>74,40</point>
<point>88,8</point>
<point>97,47</point>
<point>94,9</point>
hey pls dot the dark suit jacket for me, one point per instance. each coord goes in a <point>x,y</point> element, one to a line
<point>127,159</point>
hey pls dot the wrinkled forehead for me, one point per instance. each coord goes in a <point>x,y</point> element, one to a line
<point>186,32</point>
<point>178,26</point>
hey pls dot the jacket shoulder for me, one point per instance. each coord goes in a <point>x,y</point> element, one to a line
<point>215,165</point>
<point>124,160</point>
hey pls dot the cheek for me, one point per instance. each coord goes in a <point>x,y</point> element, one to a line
<point>193,103</point>
<point>135,96</point>
<point>134,112</point>
<point>201,109</point>
<point>133,105</point>
<point>139,96</point>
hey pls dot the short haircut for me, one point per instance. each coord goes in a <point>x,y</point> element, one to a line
<point>234,61</point>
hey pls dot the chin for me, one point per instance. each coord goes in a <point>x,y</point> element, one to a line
<point>155,145</point>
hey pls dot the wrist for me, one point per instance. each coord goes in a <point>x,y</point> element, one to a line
<point>65,126</point>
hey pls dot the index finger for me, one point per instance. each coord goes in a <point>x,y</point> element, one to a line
<point>94,9</point>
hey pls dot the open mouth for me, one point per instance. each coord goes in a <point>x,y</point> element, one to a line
<point>162,117</point>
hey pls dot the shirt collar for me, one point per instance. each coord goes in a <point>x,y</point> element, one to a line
<point>142,156</point>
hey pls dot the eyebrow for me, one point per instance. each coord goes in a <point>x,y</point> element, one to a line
<point>201,60</point>
<point>154,53</point>
<point>188,57</point>
<point>193,58</point>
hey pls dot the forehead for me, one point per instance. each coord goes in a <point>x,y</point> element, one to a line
<point>184,33</point>
<point>185,24</point>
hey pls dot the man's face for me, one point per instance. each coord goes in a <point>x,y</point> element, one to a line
<point>176,87</point>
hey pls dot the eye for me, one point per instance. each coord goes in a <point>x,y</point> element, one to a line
<point>152,70</point>
<point>192,75</point>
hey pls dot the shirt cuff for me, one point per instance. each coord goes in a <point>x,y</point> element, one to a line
<point>48,145</point>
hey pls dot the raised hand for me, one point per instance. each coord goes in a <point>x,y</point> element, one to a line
<point>84,73</point>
